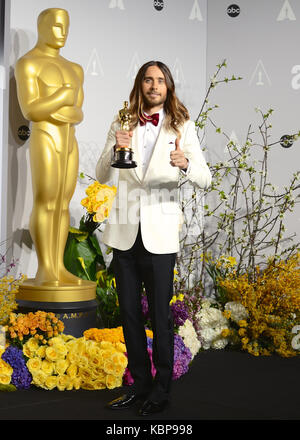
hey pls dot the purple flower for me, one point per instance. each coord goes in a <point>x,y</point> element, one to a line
<point>149,342</point>
<point>180,313</point>
<point>182,359</point>
<point>21,377</point>
<point>145,306</point>
<point>14,357</point>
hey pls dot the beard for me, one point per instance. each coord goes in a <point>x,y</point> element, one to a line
<point>150,102</point>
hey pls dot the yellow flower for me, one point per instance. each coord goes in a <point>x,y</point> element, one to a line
<point>81,260</point>
<point>242,323</point>
<point>106,345</point>
<point>51,354</point>
<point>121,347</point>
<point>85,374</point>
<point>72,371</point>
<point>225,332</point>
<point>5,379</point>
<point>61,366</point>
<point>242,332</point>
<point>99,200</point>
<point>149,333</point>
<point>112,381</point>
<point>50,382</point>
<point>99,384</point>
<point>5,368</point>
<point>63,382</point>
<point>41,351</point>
<point>175,273</point>
<point>227,313</point>
<point>30,347</point>
<point>58,344</point>
<point>34,365</point>
<point>39,378</point>
<point>47,367</point>
<point>76,382</point>
<point>173,300</point>
<point>5,372</point>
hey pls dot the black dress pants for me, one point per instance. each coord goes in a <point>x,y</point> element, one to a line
<point>132,268</point>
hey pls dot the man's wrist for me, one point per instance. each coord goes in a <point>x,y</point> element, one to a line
<point>186,166</point>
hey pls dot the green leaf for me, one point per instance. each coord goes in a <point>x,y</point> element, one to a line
<point>79,235</point>
<point>80,249</point>
<point>8,388</point>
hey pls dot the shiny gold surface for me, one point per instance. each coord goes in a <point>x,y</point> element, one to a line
<point>51,96</point>
<point>123,149</point>
<point>30,291</point>
<point>125,117</point>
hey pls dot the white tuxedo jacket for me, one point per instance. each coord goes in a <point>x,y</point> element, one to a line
<point>150,198</point>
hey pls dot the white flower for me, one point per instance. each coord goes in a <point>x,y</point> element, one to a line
<point>238,311</point>
<point>211,317</point>
<point>219,343</point>
<point>212,322</point>
<point>189,336</point>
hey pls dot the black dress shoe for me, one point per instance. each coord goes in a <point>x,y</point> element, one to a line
<point>125,401</point>
<point>150,407</point>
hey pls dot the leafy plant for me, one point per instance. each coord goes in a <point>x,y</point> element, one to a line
<point>241,214</point>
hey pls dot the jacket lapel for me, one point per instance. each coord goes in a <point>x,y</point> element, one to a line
<point>138,171</point>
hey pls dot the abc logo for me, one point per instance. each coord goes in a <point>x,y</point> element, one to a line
<point>158,4</point>
<point>233,10</point>
<point>23,132</point>
<point>286,141</point>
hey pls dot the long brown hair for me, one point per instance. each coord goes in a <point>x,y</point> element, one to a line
<point>176,112</point>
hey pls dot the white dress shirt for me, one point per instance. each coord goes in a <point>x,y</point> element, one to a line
<point>147,136</point>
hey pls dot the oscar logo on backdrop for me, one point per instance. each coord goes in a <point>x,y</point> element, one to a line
<point>50,95</point>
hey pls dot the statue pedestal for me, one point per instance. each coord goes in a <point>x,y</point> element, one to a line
<point>74,305</point>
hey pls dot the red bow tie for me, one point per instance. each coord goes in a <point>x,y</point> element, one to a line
<point>146,118</point>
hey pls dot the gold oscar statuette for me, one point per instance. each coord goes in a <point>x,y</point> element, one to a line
<point>50,94</point>
<point>123,155</point>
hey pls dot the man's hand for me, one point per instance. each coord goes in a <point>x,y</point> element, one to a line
<point>177,157</point>
<point>123,138</point>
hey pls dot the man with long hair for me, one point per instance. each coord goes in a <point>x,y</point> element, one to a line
<point>144,226</point>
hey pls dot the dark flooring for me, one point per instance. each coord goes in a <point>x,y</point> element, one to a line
<point>220,385</point>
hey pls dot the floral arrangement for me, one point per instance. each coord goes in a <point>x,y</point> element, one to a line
<point>39,354</point>
<point>61,361</point>
<point>13,369</point>
<point>182,353</point>
<point>82,249</point>
<point>72,363</point>
<point>253,313</point>
<point>113,335</point>
<point>83,256</point>
<point>99,200</point>
<point>41,325</point>
<point>9,286</point>
<point>213,325</point>
<point>271,304</point>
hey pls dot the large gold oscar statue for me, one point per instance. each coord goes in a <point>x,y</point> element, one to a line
<point>50,95</point>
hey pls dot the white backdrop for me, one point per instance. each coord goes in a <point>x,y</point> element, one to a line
<point>261,44</point>
<point>111,39</point>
